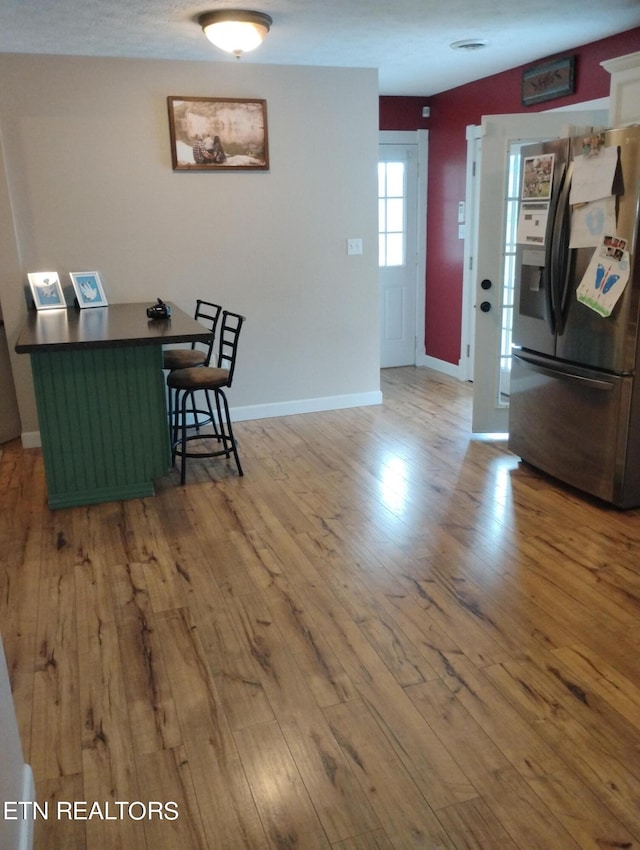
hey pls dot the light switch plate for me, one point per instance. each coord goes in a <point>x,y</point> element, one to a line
<point>354,246</point>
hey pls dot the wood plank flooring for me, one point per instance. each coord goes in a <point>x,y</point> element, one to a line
<point>386,636</point>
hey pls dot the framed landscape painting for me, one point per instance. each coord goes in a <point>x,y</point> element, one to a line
<point>218,134</point>
<point>46,290</point>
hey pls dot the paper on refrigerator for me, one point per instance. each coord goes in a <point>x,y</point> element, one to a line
<point>593,175</point>
<point>606,276</point>
<point>535,193</point>
<point>590,222</point>
<point>532,222</point>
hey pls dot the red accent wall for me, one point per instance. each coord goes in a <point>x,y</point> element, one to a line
<point>451,112</point>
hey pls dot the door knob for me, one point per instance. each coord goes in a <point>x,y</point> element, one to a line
<point>485,306</point>
<point>486,284</point>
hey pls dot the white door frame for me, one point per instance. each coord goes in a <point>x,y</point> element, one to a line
<point>420,138</point>
<point>472,197</point>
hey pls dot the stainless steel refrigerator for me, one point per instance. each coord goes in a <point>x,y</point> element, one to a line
<point>574,408</point>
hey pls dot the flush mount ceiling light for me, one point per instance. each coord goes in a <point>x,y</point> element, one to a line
<point>468,44</point>
<point>235,30</point>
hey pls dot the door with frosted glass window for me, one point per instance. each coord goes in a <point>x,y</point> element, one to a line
<point>397,216</point>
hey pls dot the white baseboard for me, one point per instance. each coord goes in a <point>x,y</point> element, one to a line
<point>306,405</point>
<point>31,439</point>
<point>451,369</point>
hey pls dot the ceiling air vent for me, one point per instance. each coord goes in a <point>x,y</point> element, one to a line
<point>468,44</point>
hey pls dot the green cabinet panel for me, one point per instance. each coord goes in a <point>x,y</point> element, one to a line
<point>103,422</point>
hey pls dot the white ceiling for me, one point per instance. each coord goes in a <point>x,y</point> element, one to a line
<point>406,40</point>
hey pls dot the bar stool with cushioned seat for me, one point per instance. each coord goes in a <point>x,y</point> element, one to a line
<point>184,383</point>
<point>199,354</point>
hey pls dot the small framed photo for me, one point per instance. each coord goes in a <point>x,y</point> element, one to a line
<point>88,289</point>
<point>218,134</point>
<point>46,290</point>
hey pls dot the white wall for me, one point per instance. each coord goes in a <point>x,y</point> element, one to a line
<point>89,186</point>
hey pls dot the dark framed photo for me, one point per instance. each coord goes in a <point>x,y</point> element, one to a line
<point>548,80</point>
<point>218,134</point>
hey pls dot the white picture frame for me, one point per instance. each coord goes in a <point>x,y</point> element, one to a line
<point>46,290</point>
<point>88,289</point>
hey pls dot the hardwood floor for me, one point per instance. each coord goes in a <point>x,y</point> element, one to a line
<point>386,636</point>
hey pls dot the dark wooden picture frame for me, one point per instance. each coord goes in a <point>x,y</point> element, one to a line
<point>218,134</point>
<point>548,80</point>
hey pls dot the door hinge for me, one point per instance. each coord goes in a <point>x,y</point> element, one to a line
<point>468,351</point>
<point>470,264</point>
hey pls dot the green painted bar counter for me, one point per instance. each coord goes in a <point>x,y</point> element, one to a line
<point>101,400</point>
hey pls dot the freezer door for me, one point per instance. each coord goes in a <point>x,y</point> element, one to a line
<point>570,424</point>
<point>609,343</point>
<point>534,323</point>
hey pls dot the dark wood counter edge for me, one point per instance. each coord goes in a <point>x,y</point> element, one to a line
<point>32,348</point>
<point>31,345</point>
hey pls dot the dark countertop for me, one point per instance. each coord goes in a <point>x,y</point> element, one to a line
<point>105,327</point>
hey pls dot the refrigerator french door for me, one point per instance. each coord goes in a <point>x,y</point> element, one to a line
<point>574,408</point>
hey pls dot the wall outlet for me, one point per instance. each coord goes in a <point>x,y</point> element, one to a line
<point>354,246</point>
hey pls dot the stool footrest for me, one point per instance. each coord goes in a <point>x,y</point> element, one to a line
<point>220,422</point>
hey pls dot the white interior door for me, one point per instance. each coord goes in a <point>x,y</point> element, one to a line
<point>398,252</point>
<point>495,250</point>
